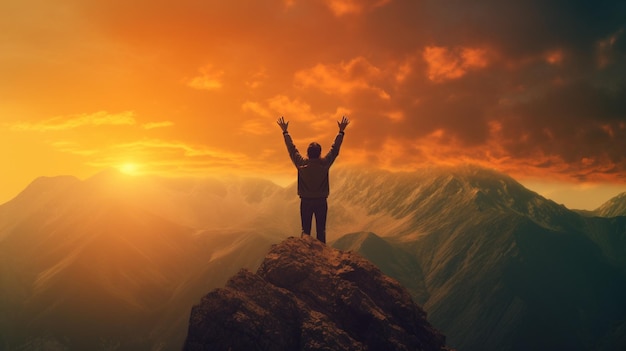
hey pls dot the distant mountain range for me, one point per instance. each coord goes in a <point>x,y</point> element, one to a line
<point>116,262</point>
<point>500,267</point>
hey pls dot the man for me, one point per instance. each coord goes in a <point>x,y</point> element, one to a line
<point>313,186</point>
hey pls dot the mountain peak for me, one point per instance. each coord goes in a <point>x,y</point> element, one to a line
<point>48,183</point>
<point>614,207</point>
<point>42,189</point>
<point>308,296</point>
<point>421,200</point>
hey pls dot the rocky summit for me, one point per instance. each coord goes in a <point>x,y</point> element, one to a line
<point>308,296</point>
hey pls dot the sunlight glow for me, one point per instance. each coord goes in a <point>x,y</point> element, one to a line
<point>129,168</point>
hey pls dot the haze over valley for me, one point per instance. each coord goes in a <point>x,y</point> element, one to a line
<point>115,262</point>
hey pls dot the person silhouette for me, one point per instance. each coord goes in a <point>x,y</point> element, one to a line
<point>313,184</point>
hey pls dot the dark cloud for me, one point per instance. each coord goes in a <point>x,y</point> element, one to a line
<point>524,27</point>
<point>573,121</point>
<point>554,85</point>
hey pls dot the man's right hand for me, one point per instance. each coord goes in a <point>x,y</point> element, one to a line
<point>283,125</point>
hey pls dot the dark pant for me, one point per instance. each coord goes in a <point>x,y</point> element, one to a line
<point>319,207</point>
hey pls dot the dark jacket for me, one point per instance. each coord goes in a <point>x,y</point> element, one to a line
<point>313,173</point>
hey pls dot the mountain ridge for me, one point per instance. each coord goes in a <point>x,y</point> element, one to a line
<point>614,207</point>
<point>470,233</point>
<point>473,245</point>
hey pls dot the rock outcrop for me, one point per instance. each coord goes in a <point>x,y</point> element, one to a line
<point>308,296</point>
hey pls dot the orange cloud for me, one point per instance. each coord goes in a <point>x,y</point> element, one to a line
<point>256,127</point>
<point>289,3</point>
<point>347,7</point>
<point>101,118</point>
<point>96,119</point>
<point>153,125</point>
<point>279,105</point>
<point>441,147</point>
<point>395,116</point>
<point>74,148</point>
<point>164,157</point>
<point>446,64</point>
<point>555,57</point>
<point>179,147</point>
<point>257,79</point>
<point>255,107</point>
<point>404,70</point>
<point>344,7</point>
<point>295,108</point>
<point>209,79</point>
<point>474,58</point>
<point>343,78</point>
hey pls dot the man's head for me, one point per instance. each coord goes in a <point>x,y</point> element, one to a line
<point>314,150</point>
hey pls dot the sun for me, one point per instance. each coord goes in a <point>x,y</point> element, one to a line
<point>129,168</point>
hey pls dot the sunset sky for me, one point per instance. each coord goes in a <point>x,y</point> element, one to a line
<point>533,88</point>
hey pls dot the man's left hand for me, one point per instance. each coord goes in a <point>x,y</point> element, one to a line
<point>283,125</point>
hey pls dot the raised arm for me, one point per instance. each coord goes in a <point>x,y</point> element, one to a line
<point>283,125</point>
<point>294,154</point>
<point>334,149</point>
<point>343,124</point>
